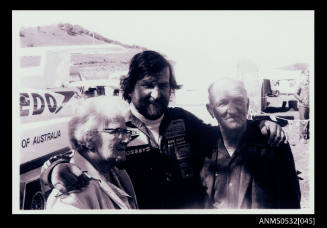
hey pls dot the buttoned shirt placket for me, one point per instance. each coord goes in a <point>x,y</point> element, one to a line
<point>223,177</point>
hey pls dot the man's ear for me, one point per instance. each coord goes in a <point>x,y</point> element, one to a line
<point>209,108</point>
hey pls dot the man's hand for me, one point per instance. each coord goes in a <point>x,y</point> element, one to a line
<point>275,132</point>
<point>66,177</point>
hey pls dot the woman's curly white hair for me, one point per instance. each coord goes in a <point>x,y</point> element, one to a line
<point>92,113</point>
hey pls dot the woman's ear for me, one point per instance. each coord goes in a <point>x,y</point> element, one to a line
<point>90,141</point>
<point>90,145</point>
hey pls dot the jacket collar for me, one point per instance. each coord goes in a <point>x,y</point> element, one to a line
<point>137,122</point>
<point>86,166</point>
<point>135,119</point>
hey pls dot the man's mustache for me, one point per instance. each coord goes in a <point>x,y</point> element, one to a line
<point>237,116</point>
<point>160,101</point>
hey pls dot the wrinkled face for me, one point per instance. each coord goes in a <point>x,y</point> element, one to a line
<point>151,94</point>
<point>229,106</point>
<point>110,146</point>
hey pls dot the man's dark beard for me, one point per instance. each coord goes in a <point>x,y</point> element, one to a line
<point>145,109</point>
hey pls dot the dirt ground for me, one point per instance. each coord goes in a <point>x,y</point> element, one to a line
<point>301,151</point>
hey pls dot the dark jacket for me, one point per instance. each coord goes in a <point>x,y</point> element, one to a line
<point>268,176</point>
<point>166,176</point>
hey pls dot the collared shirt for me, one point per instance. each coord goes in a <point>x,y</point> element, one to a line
<point>227,178</point>
<point>99,194</point>
<point>255,176</point>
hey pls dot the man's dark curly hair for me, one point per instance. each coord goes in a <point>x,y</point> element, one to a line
<point>142,64</point>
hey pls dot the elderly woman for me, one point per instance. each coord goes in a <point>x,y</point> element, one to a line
<point>98,138</point>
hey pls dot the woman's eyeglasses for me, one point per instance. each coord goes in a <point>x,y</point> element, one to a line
<point>127,134</point>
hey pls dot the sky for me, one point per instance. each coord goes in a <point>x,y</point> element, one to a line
<point>205,44</point>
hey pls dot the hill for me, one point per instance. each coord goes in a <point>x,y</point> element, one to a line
<point>64,34</point>
<point>90,66</point>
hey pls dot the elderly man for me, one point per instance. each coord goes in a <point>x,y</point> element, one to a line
<point>165,160</point>
<point>236,174</point>
<point>98,137</point>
